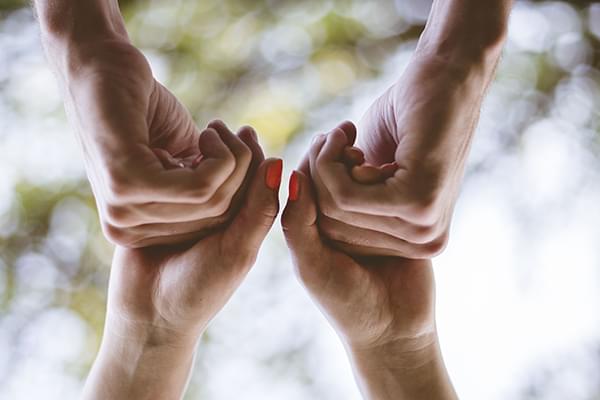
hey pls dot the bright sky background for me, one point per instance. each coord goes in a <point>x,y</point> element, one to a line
<point>518,288</point>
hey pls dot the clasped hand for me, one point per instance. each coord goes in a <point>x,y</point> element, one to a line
<point>188,208</point>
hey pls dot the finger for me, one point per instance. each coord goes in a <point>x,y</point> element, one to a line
<point>367,174</point>
<point>147,216</point>
<point>393,230</point>
<point>249,136</point>
<point>248,229</point>
<point>126,238</point>
<point>349,130</point>
<point>185,185</point>
<point>353,156</point>
<point>388,170</point>
<point>388,198</point>
<point>167,160</point>
<point>381,243</point>
<point>168,240</point>
<point>299,223</point>
<point>316,264</point>
<point>243,158</point>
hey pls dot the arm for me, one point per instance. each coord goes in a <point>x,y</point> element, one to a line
<point>130,366</point>
<point>161,299</point>
<point>157,178</point>
<point>409,370</point>
<point>383,308</point>
<point>422,127</point>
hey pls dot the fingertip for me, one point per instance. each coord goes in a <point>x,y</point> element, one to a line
<point>349,129</point>
<point>249,137</point>
<point>209,134</point>
<point>274,170</point>
<point>294,187</point>
<point>248,131</point>
<point>299,206</point>
<point>353,156</point>
<point>217,125</point>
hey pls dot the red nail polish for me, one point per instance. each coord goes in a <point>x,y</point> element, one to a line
<point>294,188</point>
<point>273,177</point>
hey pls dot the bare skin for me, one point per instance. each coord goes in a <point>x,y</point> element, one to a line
<point>381,307</point>
<point>157,178</point>
<point>396,194</point>
<point>189,207</point>
<point>161,300</point>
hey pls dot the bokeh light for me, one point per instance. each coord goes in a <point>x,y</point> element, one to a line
<point>518,288</point>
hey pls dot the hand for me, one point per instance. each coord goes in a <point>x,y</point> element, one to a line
<point>156,177</point>
<point>162,298</point>
<point>381,307</point>
<point>415,139</point>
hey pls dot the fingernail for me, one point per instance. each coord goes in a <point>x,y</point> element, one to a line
<point>294,188</point>
<point>273,178</point>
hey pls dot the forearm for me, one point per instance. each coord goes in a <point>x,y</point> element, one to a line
<point>67,20</point>
<point>411,370</point>
<point>136,367</point>
<point>466,31</point>
<point>438,99</point>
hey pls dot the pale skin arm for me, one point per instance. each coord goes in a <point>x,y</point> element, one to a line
<point>383,308</point>
<point>416,137</point>
<point>157,177</point>
<point>161,299</point>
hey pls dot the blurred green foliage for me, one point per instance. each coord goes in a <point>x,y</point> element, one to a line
<point>273,64</point>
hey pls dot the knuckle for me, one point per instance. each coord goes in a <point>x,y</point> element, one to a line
<point>219,204</point>
<point>205,193</point>
<point>425,211</point>
<point>329,209</point>
<point>116,235</point>
<point>424,234</point>
<point>117,215</point>
<point>329,230</point>
<point>436,247</point>
<point>245,153</point>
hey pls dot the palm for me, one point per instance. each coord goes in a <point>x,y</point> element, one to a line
<point>177,288</point>
<point>382,299</point>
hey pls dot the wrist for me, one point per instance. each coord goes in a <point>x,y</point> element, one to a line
<point>466,32</point>
<point>133,364</point>
<point>404,369</point>
<point>68,28</point>
<point>70,21</point>
<point>408,354</point>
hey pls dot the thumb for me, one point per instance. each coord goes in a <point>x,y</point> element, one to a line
<point>248,229</point>
<point>299,223</point>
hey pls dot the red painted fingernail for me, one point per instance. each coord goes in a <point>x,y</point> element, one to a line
<point>294,189</point>
<point>273,177</point>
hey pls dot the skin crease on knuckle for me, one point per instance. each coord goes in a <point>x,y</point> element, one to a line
<point>119,216</point>
<point>116,235</point>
